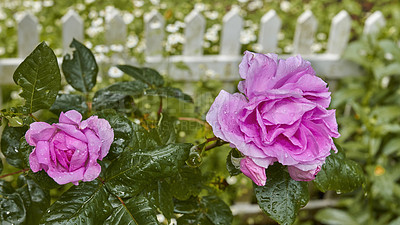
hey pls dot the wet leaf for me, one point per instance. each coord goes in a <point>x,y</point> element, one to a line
<point>134,170</point>
<point>12,209</point>
<point>281,197</point>
<point>81,70</point>
<point>233,157</point>
<point>146,75</point>
<point>36,200</point>
<point>169,92</point>
<point>10,147</point>
<point>339,174</point>
<point>40,78</point>
<point>66,102</point>
<point>86,203</point>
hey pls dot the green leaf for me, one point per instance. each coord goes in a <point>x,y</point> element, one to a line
<point>86,203</point>
<point>12,209</point>
<point>216,210</point>
<point>166,129</point>
<point>146,75</point>
<point>43,180</point>
<point>142,210</point>
<point>335,217</point>
<point>36,200</point>
<point>281,197</point>
<point>10,146</point>
<point>114,96</point>
<point>5,187</point>
<point>136,210</point>
<point>80,71</point>
<point>126,133</point>
<point>161,197</point>
<point>40,78</point>
<point>134,170</point>
<point>233,157</point>
<point>209,210</point>
<point>170,92</point>
<point>66,102</point>
<point>339,174</point>
<point>188,182</point>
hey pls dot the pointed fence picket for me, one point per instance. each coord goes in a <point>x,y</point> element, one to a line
<point>72,27</point>
<point>193,65</point>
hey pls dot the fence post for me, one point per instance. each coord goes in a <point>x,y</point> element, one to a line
<point>339,33</point>
<point>374,23</point>
<point>72,28</point>
<point>154,33</point>
<point>230,37</point>
<point>270,26</point>
<point>304,34</point>
<point>115,30</point>
<point>28,35</point>
<point>194,33</point>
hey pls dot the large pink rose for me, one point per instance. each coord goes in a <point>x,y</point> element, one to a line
<point>68,151</point>
<point>279,116</point>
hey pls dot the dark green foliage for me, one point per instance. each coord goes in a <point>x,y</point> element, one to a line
<point>15,154</point>
<point>170,92</point>
<point>281,197</point>
<point>339,174</point>
<point>66,102</point>
<point>39,77</point>
<point>146,75</point>
<point>232,169</point>
<point>81,70</point>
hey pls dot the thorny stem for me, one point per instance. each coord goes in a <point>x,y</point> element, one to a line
<point>195,120</point>
<point>9,174</point>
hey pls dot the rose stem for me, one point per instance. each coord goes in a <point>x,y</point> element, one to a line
<point>215,144</point>
<point>195,120</point>
<point>9,174</point>
<point>160,107</point>
<point>36,119</point>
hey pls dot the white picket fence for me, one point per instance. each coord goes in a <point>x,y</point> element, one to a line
<point>225,64</point>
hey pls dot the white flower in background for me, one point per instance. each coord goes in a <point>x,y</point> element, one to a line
<point>68,89</point>
<point>117,48</point>
<point>172,28</point>
<point>101,49</point>
<point>3,15</point>
<point>137,12</point>
<point>281,35</point>
<point>316,47</point>
<point>88,44</point>
<point>175,38</point>
<point>138,3</point>
<point>200,7</point>
<point>206,44</point>
<point>163,5</point>
<point>257,47</point>
<point>48,3</point>
<point>15,94</point>
<point>93,31</point>
<point>255,5</point>
<point>128,18</point>
<point>141,47</point>
<point>243,1</point>
<point>97,22</point>
<point>321,36</point>
<point>114,72</point>
<point>210,74</point>
<point>388,56</point>
<point>212,15</point>
<point>132,41</point>
<point>288,48</point>
<point>247,36</point>
<point>212,33</point>
<point>89,1</point>
<point>285,6</point>
<point>2,50</point>
<point>180,24</point>
<point>155,2</point>
<point>36,7</point>
<point>18,15</point>
<point>9,23</point>
<point>92,14</point>
<point>80,7</point>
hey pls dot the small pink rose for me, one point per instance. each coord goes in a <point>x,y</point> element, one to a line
<point>68,151</point>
